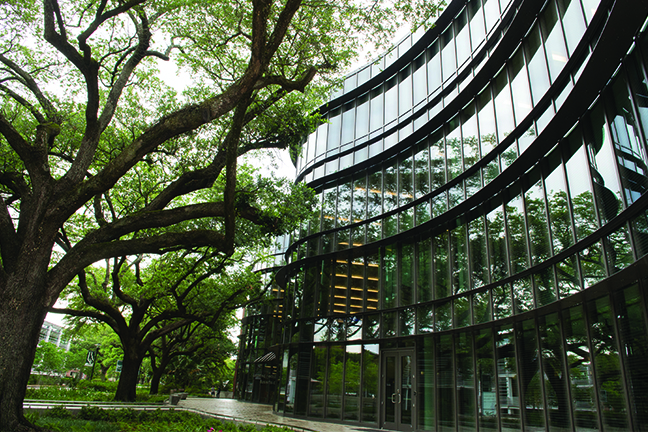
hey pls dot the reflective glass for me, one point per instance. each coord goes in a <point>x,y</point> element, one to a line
<point>607,364</point>
<point>508,394</point>
<point>391,100</point>
<point>340,287</point>
<point>453,148</point>
<point>581,373</point>
<point>440,250</point>
<point>390,282</point>
<point>497,244</point>
<point>445,384</point>
<point>335,123</point>
<point>465,382</point>
<point>557,381</point>
<point>426,384</point>
<point>461,312</point>
<point>519,86</point>
<point>481,307</point>
<point>486,116</point>
<point>316,406</point>
<point>632,326</point>
<point>463,37</point>
<point>405,91</point>
<point>389,324</point>
<point>348,122</point>
<point>517,233</point>
<point>590,7</point>
<point>607,187</point>
<point>640,234</point>
<point>370,376</point>
<point>619,250</point>
<point>356,287</point>
<point>478,252</point>
<point>568,277</point>
<point>376,115</point>
<point>503,106</point>
<point>502,307</point>
<point>554,41</point>
<point>324,288</point>
<point>362,116</point>
<point>487,381</point>
<point>470,137</point>
<point>531,385</point>
<point>476,17</point>
<point>492,13</point>
<point>630,152</point>
<point>372,327</point>
<point>425,319</point>
<point>580,188</point>
<point>560,221</point>
<point>421,172</point>
<point>433,67</point>
<point>351,382</point>
<point>523,295</point>
<point>405,181</point>
<point>335,383</point>
<point>407,321</point>
<point>390,188</point>
<point>406,294</point>
<point>448,59</point>
<point>419,80</point>
<point>573,22</point>
<point>424,271</point>
<point>374,194</point>
<point>344,204</point>
<point>537,224</point>
<point>459,259</point>
<point>437,161</point>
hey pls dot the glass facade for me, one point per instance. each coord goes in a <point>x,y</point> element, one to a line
<point>477,260</point>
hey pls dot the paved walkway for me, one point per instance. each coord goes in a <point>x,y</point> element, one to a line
<point>261,414</point>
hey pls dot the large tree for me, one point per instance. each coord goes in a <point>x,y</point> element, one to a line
<point>85,116</point>
<point>142,304</point>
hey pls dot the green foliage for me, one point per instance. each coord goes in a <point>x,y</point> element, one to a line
<point>96,391</point>
<point>126,420</point>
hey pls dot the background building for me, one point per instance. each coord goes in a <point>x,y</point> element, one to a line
<point>478,260</point>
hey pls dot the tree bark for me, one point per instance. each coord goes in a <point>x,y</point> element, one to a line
<point>22,312</point>
<point>155,381</point>
<point>127,386</point>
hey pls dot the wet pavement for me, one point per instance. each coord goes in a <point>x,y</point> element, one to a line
<point>232,409</point>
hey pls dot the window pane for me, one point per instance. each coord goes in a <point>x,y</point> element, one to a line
<point>554,42</point>
<point>335,383</point>
<point>316,407</point>
<point>445,384</point>
<point>607,364</point>
<point>370,375</point>
<point>352,383</point>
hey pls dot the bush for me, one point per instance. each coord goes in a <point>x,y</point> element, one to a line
<point>126,420</point>
<point>100,386</point>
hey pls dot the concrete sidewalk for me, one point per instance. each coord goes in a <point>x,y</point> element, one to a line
<point>232,409</point>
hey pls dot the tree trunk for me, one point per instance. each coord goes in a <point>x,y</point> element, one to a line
<point>155,381</point>
<point>127,386</point>
<point>22,312</point>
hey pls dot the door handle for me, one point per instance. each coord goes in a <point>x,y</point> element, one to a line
<point>393,396</point>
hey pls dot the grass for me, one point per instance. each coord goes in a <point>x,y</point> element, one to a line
<point>93,419</point>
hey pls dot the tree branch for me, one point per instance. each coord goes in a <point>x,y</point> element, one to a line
<point>9,243</point>
<point>28,81</point>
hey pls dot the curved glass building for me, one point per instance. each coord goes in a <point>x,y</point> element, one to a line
<point>478,259</point>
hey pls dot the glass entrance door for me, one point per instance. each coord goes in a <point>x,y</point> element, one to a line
<point>398,401</point>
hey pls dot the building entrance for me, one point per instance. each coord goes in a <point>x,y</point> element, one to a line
<point>398,390</point>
